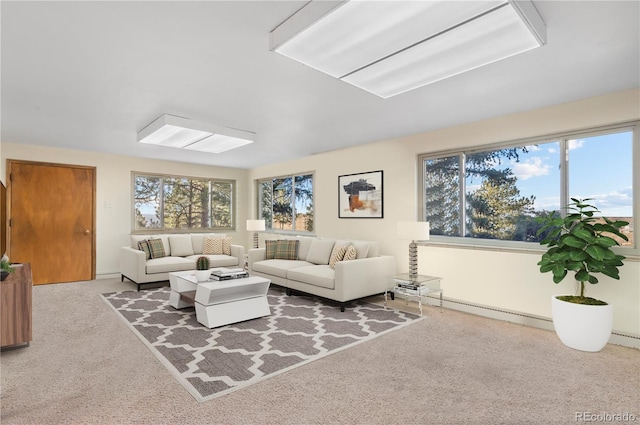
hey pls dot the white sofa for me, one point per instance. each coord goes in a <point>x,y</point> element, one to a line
<point>311,273</point>
<point>181,252</point>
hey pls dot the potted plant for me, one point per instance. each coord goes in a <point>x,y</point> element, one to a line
<point>202,269</point>
<point>581,243</point>
<point>5,267</point>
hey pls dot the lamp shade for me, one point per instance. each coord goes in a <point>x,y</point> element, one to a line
<point>255,225</point>
<point>413,230</point>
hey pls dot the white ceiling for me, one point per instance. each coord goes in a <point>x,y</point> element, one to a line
<point>89,75</point>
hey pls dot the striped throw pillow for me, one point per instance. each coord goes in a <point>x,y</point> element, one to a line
<point>351,253</point>
<point>337,254</point>
<point>156,248</point>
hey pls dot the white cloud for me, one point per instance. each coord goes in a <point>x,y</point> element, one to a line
<point>533,167</point>
<point>576,144</point>
<point>618,203</point>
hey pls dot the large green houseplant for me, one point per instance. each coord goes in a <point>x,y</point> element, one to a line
<point>581,243</point>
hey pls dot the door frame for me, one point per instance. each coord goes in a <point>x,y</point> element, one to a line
<point>93,170</point>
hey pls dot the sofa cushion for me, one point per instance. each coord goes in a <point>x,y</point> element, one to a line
<point>217,260</point>
<point>337,254</point>
<point>278,267</point>
<point>303,247</point>
<point>197,240</point>
<point>216,246</point>
<point>320,251</point>
<point>169,264</point>
<point>318,275</point>
<point>143,245</point>
<point>156,248</point>
<point>181,245</point>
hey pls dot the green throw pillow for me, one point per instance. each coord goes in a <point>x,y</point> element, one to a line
<point>287,250</point>
<point>270,249</point>
<point>143,245</point>
<point>281,249</point>
<point>156,248</point>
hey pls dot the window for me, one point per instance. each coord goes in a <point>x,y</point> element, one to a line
<point>498,193</point>
<point>174,202</point>
<point>280,199</point>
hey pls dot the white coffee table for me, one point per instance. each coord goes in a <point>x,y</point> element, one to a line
<point>219,303</point>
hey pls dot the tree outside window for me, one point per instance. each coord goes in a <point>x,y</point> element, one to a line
<point>173,202</point>
<point>286,203</point>
<point>498,193</point>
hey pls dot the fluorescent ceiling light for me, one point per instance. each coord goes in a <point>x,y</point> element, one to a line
<point>177,132</point>
<point>390,47</point>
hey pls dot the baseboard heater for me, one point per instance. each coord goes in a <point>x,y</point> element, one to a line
<point>617,338</point>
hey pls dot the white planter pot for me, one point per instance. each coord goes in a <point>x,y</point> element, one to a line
<point>582,327</point>
<point>203,275</point>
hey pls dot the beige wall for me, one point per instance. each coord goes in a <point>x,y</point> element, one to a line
<point>504,280</point>
<point>113,186</point>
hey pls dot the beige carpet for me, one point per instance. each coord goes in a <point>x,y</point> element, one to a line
<point>85,366</point>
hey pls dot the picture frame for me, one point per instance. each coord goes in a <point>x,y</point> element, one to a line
<point>360,195</point>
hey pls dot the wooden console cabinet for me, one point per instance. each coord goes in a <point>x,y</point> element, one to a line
<point>15,305</point>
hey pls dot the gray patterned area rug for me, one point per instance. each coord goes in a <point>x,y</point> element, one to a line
<point>213,362</point>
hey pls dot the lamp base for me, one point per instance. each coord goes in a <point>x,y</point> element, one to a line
<point>413,259</point>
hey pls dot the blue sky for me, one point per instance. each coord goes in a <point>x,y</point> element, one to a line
<point>600,167</point>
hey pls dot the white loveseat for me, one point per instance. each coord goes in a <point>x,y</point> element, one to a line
<point>367,274</point>
<point>181,252</point>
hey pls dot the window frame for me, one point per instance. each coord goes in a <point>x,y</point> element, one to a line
<point>292,176</point>
<point>164,230</point>
<point>562,137</point>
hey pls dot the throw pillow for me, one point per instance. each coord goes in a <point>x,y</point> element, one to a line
<point>270,249</point>
<point>281,249</point>
<point>143,245</point>
<point>287,250</point>
<point>337,254</point>
<point>156,248</point>
<point>351,253</point>
<point>216,246</point>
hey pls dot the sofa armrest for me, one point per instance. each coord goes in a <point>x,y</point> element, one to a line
<point>363,277</point>
<point>238,252</point>
<point>256,254</point>
<point>133,263</point>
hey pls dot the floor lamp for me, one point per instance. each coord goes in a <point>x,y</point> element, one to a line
<point>414,231</point>
<point>255,226</point>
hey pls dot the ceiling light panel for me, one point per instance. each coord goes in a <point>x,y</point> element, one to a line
<point>358,33</point>
<point>371,44</point>
<point>169,130</point>
<point>218,144</point>
<point>492,37</point>
<point>177,132</point>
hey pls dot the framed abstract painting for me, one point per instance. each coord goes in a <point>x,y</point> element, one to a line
<point>360,195</point>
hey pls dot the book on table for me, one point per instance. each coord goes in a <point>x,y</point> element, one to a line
<point>224,273</point>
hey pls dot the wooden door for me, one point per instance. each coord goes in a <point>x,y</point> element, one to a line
<point>51,213</point>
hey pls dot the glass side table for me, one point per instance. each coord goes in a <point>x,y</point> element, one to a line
<point>413,287</point>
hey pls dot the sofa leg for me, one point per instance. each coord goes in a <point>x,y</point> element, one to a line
<point>342,306</point>
<point>287,291</point>
<point>121,278</point>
